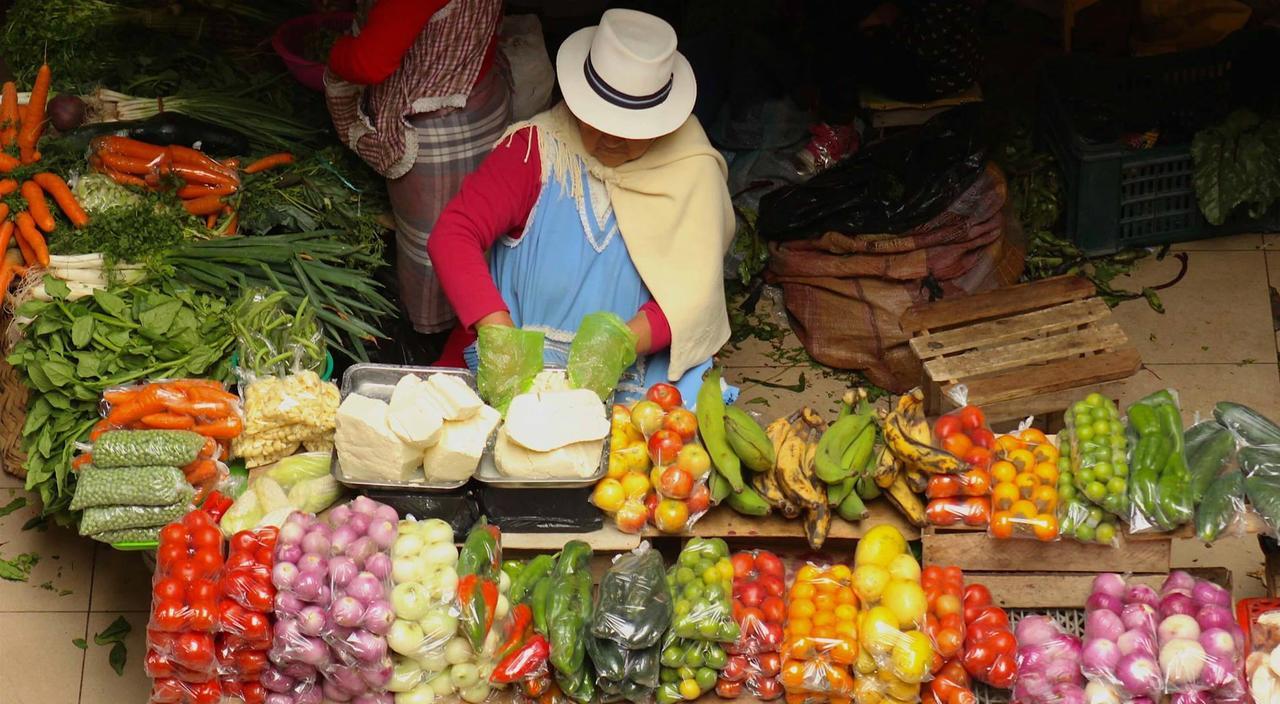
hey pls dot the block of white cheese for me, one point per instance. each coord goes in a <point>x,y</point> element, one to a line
<point>367,447</point>
<point>576,461</point>
<point>461,444</point>
<point>456,400</point>
<point>414,415</point>
<point>542,422</point>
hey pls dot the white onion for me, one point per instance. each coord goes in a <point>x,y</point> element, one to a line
<point>405,676</point>
<point>407,545</point>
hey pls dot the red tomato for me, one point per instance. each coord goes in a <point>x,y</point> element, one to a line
<point>193,650</point>
<point>943,486</point>
<point>206,537</point>
<point>206,562</point>
<point>951,621</point>
<point>772,584</point>
<point>1003,642</point>
<point>980,459</point>
<point>949,642</point>
<point>157,666</point>
<point>977,511</point>
<point>253,693</point>
<point>665,395</point>
<point>743,565</point>
<point>202,615</point>
<point>946,425</point>
<point>752,619</point>
<point>982,437</point>
<point>169,589</point>
<point>768,688</point>
<point>727,689</point>
<point>752,594</point>
<point>251,663</point>
<point>174,534</point>
<point>255,625</point>
<point>944,512</point>
<point>972,418</point>
<point>259,596</point>
<point>775,609</point>
<point>169,554</point>
<point>241,561</point>
<point>768,564</point>
<point>264,556</point>
<point>196,519</point>
<point>770,664</point>
<point>978,659</point>
<point>169,616</point>
<point>244,541</point>
<point>206,692</point>
<point>992,617</point>
<point>167,691</point>
<point>976,595</point>
<point>735,669</point>
<point>1003,671</point>
<point>202,590</point>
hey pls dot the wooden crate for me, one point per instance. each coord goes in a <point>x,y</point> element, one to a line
<point>975,550</point>
<point>1020,351</point>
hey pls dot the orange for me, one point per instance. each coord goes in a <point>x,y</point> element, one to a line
<point>845,652</point>
<point>845,595</point>
<point>847,629</point>
<point>1047,472</point>
<point>793,675</point>
<point>824,633</point>
<point>957,444</point>
<point>1002,524</point>
<point>1022,459</point>
<point>1026,483</point>
<point>1045,498</point>
<point>1046,527</point>
<point>802,648</point>
<point>1006,444</point>
<point>845,612</point>
<point>1033,436</point>
<point>798,698</point>
<point>1024,509</point>
<point>1003,471</point>
<point>1045,453</point>
<point>800,627</point>
<point>807,573</point>
<point>825,602</point>
<point>1003,496</point>
<point>803,590</point>
<point>801,608</point>
<point>823,618</point>
<point>826,586</point>
<point>841,573</point>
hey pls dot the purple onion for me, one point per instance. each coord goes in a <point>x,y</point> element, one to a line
<point>291,533</point>
<point>378,565</point>
<point>346,678</point>
<point>300,671</point>
<point>367,647</point>
<point>278,698</point>
<point>1214,616</point>
<point>1138,616</point>
<point>311,694</point>
<point>1141,594</point>
<point>361,548</point>
<point>383,533</point>
<point>276,681</point>
<point>1177,603</point>
<point>375,698</point>
<point>378,618</point>
<point>288,553</point>
<point>315,542</point>
<point>1210,593</point>
<point>1139,674</point>
<point>1101,655</point>
<point>1102,601</point>
<point>1137,641</point>
<point>1178,581</point>
<point>287,604</point>
<point>312,562</point>
<point>1034,630</point>
<point>324,596</point>
<point>340,514</point>
<point>366,588</point>
<point>1068,693</point>
<point>312,651</point>
<point>1103,624</point>
<point>286,631</point>
<point>311,621</point>
<point>364,505</point>
<point>1217,672</point>
<point>343,536</point>
<point>376,675</point>
<point>307,585</point>
<point>347,611</point>
<point>334,693</point>
<point>1109,583</point>
<point>359,523</point>
<point>284,574</point>
<point>387,513</point>
<point>342,569</point>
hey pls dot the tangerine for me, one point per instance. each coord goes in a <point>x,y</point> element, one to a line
<point>957,444</point>
<point>1003,471</point>
<point>1002,525</point>
<point>1004,495</point>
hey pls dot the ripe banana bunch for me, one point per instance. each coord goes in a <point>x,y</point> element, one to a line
<point>907,459</point>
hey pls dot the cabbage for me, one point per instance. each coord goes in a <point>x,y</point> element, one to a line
<point>271,496</point>
<point>301,467</point>
<point>315,495</point>
<point>97,192</point>
<point>244,514</point>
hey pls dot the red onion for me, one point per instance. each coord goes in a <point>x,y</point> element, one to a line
<point>291,533</point>
<point>366,588</point>
<point>378,618</point>
<point>323,598</point>
<point>1102,601</point>
<point>360,549</point>
<point>311,621</point>
<point>300,671</point>
<point>1034,630</point>
<point>346,678</point>
<point>1141,594</point>
<point>1178,626</point>
<point>359,522</point>
<point>340,514</point>
<point>1178,581</point>
<point>1176,603</point>
<point>367,647</point>
<point>312,651</point>
<point>1101,655</point>
<point>316,542</point>
<point>387,513</point>
<point>376,675</point>
<point>287,604</point>
<point>1103,624</point>
<point>309,695</point>
<point>334,693</point>
<point>342,569</point>
<point>307,585</point>
<point>1214,616</point>
<point>278,698</point>
<point>1139,674</point>
<point>1109,583</point>
<point>1137,640</point>
<point>343,536</point>
<point>383,533</point>
<point>313,562</point>
<point>288,553</point>
<point>284,574</point>
<point>375,698</point>
<point>347,611</point>
<point>1067,693</point>
<point>1139,616</point>
<point>286,631</point>
<point>364,505</point>
<point>277,681</point>
<point>378,565</point>
<point>1210,593</point>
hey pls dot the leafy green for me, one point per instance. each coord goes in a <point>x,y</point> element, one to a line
<point>137,232</point>
<point>19,568</point>
<point>142,332</point>
<point>750,251</point>
<point>114,636</point>
<point>12,506</point>
<point>80,643</point>
<point>1237,163</point>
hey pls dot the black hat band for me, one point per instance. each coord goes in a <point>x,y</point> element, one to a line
<point>623,100</point>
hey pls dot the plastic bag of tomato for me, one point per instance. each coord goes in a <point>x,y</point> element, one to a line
<point>962,498</point>
<point>754,659</point>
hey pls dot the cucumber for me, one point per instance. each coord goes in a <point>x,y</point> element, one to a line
<point>1261,467</point>
<point>1251,426</point>
<point>1221,505</point>
<point>1207,454</point>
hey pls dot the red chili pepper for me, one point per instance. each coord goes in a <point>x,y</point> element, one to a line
<point>517,632</point>
<point>217,504</point>
<point>523,662</point>
<point>478,602</point>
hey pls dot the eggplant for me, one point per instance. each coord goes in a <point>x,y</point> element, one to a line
<point>168,128</point>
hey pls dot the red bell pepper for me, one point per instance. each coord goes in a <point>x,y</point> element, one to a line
<point>478,604</point>
<point>216,504</point>
<point>522,662</point>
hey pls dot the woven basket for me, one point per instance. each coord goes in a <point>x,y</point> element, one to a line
<point>13,414</point>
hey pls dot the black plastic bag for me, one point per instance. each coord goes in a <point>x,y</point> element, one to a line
<point>541,510</point>
<point>888,187</point>
<point>459,508</point>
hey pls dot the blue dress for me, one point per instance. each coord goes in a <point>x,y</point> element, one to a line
<point>571,261</point>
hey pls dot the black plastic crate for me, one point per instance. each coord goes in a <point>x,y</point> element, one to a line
<point>1118,196</point>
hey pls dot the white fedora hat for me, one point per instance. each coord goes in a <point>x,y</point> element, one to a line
<point>625,77</point>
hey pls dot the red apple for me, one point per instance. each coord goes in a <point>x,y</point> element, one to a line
<point>665,395</point>
<point>664,447</point>
<point>675,483</point>
<point>699,499</point>
<point>683,422</point>
<point>647,417</point>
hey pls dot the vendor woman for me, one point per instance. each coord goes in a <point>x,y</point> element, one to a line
<point>604,219</point>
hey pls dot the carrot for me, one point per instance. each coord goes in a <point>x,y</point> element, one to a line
<point>33,118</point>
<point>28,254</point>
<point>116,397</point>
<point>8,186</point>
<point>233,224</point>
<point>204,205</point>
<point>8,163</point>
<point>4,213</point>
<point>9,114</point>
<point>99,428</point>
<point>196,190</point>
<point>27,230</point>
<point>221,429</point>
<point>81,461</point>
<point>203,393</point>
<point>200,470</point>
<point>168,421</point>
<point>186,384</point>
<point>6,232</point>
<point>62,195</point>
<point>6,278</point>
<point>269,161</point>
<point>233,163</point>
<point>209,450</point>
<point>132,165</point>
<point>122,178</point>
<point>38,206</point>
<point>198,159</point>
<point>129,147</point>
<point>195,174</point>
<point>207,410</point>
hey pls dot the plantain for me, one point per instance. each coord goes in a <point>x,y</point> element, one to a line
<point>829,461</point>
<point>748,440</point>
<point>852,508</point>
<point>837,492</point>
<point>748,502</point>
<point>906,501</point>
<point>914,453</point>
<point>788,471</point>
<point>917,480</point>
<point>886,468</point>
<point>866,488</point>
<point>720,487</point>
<point>856,458</point>
<point>817,524</point>
<point>766,485</point>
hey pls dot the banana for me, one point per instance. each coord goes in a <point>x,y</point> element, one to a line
<point>837,492</point>
<point>906,501</point>
<point>917,480</point>
<point>866,488</point>
<point>748,502</point>
<point>817,524</point>
<point>916,454</point>
<point>720,487</point>
<point>710,412</point>
<point>748,440</point>
<point>852,508</point>
<point>788,471</point>
<point>777,432</point>
<point>766,485</point>
<point>856,458</point>
<point>886,468</point>
<point>837,440</point>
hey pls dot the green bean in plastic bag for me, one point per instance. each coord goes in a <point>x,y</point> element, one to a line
<point>104,518</point>
<point>140,448</point>
<point>128,486</point>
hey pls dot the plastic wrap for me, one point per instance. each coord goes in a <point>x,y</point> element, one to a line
<point>272,340</point>
<point>181,654</point>
<point>133,486</point>
<point>944,622</point>
<point>1096,449</point>
<point>1160,487</point>
<point>1120,639</point>
<point>1025,494</point>
<point>1087,523</point>
<point>425,579</point>
<point>300,576</point>
<point>245,612</point>
<point>951,511</point>
<point>688,668</point>
<point>633,604</point>
<point>141,448</point>
<point>658,468</point>
<point>702,584</point>
<point>820,641</point>
<point>895,655</point>
<point>989,644</point>
<point>202,406</point>
<point>1261,468</point>
<point>282,414</point>
<point>1201,651</point>
<point>759,609</point>
<point>1048,663</point>
<point>102,519</point>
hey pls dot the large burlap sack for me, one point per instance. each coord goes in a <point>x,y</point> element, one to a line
<point>846,293</point>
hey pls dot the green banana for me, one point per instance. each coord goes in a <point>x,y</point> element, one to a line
<point>833,444</point>
<point>852,508</point>
<point>748,502</point>
<point>720,487</point>
<point>854,459</point>
<point>710,411</point>
<point>837,492</point>
<point>748,440</point>
<point>867,488</point>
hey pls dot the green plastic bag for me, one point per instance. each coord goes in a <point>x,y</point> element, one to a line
<point>509,360</point>
<point>602,350</point>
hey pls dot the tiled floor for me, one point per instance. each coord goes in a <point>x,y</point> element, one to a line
<point>1215,341</point>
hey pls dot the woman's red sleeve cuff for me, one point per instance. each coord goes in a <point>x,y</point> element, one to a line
<point>391,27</point>
<point>659,328</point>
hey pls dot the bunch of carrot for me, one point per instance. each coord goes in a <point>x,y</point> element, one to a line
<point>207,182</point>
<point>202,406</point>
<point>23,127</point>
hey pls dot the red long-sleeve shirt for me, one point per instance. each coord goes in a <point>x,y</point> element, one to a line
<point>390,29</point>
<point>493,202</point>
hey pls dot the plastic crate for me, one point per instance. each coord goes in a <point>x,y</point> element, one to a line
<point>1118,196</point>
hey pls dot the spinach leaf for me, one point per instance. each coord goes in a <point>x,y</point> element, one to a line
<point>82,331</point>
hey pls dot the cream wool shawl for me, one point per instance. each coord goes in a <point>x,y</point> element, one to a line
<point>675,215</point>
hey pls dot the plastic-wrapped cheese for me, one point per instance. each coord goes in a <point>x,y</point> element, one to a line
<point>578,460</point>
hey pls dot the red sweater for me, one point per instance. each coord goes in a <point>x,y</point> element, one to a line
<point>390,29</point>
<point>495,201</point>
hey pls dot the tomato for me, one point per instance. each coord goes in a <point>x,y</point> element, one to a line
<point>943,486</point>
<point>768,564</point>
<point>972,418</point>
<point>954,577</point>
<point>174,534</point>
<point>255,626</point>
<point>253,693</point>
<point>768,688</point>
<point>735,669</point>
<point>1003,642</point>
<point>156,665</point>
<point>167,691</point>
<point>772,584</point>
<point>743,565</point>
<point>206,537</point>
<point>950,641</point>
<point>251,663</point>
<point>169,554</point>
<point>727,689</point>
<point>682,422</point>
<point>1003,672</point>
<point>170,616</point>
<point>196,519</point>
<point>1002,525</point>
<point>978,457</point>
<point>992,617</point>
<point>665,395</point>
<point>752,594</point>
<point>169,589</point>
<point>206,692</point>
<point>943,512</point>
<point>264,556</point>
<point>259,595</point>
<point>774,609</point>
<point>983,438</point>
<point>770,663</point>
<point>193,650</point>
<point>976,595</point>
<point>241,561</point>
<point>206,562</point>
<point>202,590</point>
<point>185,570</point>
<point>978,659</point>
<point>957,444</point>
<point>977,511</point>
<point>946,426</point>
<point>976,482</point>
<point>244,541</point>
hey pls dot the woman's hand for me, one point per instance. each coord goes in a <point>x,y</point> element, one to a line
<point>500,317</point>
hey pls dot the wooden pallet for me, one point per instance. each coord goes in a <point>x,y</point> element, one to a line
<point>1020,351</point>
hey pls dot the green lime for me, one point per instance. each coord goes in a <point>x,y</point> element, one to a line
<point>728,632</point>
<point>1117,428</point>
<point>1105,533</point>
<point>686,673</point>
<point>1066,492</point>
<point>693,591</point>
<point>706,678</point>
<point>689,558</point>
<point>1095,491</point>
<point>709,629</point>
<point>693,657</point>
<point>669,693</point>
<point>716,657</point>
<point>1116,485</point>
<point>689,689</point>
<point>1085,533</point>
<point>1080,407</point>
<point>673,656</point>
<point>719,547</point>
<point>1064,464</point>
<point>1095,515</point>
<point>668,675</point>
<point>1102,471</point>
<point>714,592</point>
<point>711,575</point>
<point>684,575</point>
<point>1121,469</point>
<point>1085,476</point>
<point>683,607</point>
<point>1095,399</point>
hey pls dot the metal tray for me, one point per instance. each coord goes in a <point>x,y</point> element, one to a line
<point>489,474</point>
<point>378,381</point>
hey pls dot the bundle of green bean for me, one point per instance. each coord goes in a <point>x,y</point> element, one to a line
<point>130,503</point>
<point>271,340</point>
